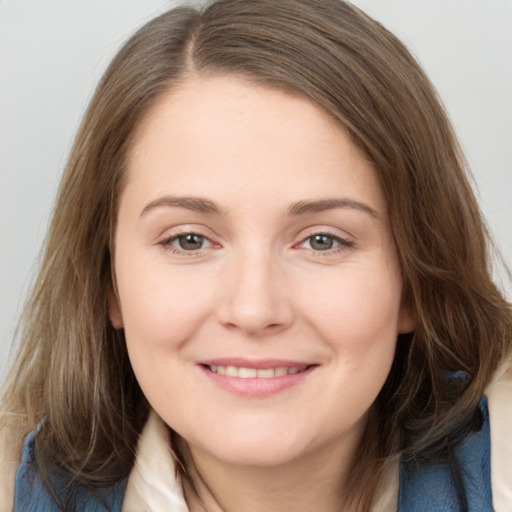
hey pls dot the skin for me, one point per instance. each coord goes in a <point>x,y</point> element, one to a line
<point>259,287</point>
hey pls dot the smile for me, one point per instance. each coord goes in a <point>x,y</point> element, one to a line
<point>255,373</point>
<point>251,379</point>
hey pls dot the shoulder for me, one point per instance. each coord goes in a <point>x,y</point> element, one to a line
<point>461,481</point>
<point>12,430</point>
<point>499,396</point>
<point>480,465</point>
<point>22,487</point>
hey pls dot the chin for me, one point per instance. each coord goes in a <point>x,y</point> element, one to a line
<point>255,448</point>
<point>267,455</point>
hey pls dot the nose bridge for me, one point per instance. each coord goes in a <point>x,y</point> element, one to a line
<point>256,299</point>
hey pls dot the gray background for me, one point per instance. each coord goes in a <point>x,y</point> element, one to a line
<point>52,53</point>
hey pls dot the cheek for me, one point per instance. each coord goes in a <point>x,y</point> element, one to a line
<point>357,317</point>
<point>357,307</point>
<point>161,306</point>
<point>162,310</point>
<point>356,313</point>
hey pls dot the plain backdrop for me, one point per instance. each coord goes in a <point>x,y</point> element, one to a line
<point>52,53</point>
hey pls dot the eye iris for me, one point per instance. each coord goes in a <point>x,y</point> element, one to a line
<point>321,242</point>
<point>190,242</point>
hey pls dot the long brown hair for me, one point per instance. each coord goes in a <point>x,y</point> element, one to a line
<point>73,368</point>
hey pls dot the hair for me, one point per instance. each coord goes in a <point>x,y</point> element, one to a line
<point>73,369</point>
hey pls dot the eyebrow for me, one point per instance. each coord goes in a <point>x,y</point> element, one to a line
<point>197,204</point>
<point>300,208</point>
<point>321,205</point>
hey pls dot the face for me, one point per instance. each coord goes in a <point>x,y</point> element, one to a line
<point>257,278</point>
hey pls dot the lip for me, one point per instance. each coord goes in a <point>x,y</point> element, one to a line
<point>255,386</point>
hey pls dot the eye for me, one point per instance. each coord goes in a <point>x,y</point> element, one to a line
<point>325,242</point>
<point>186,242</point>
<point>190,241</point>
<point>321,242</point>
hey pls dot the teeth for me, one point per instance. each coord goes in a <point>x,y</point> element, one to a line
<point>232,371</point>
<point>280,372</point>
<point>251,373</point>
<point>248,373</point>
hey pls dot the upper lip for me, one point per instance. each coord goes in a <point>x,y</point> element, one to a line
<point>261,364</point>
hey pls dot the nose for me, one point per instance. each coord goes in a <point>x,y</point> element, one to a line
<point>256,300</point>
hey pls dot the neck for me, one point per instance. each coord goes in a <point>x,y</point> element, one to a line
<point>314,481</point>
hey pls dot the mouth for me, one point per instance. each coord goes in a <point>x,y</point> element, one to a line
<point>256,379</point>
<point>244,372</point>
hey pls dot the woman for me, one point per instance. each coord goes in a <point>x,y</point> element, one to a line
<point>266,284</point>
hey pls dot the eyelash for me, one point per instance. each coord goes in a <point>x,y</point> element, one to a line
<point>343,244</point>
<point>167,243</point>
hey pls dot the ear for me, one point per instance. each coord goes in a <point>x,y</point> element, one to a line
<point>406,319</point>
<point>114,310</point>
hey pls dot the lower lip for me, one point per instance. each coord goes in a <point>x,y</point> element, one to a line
<point>255,387</point>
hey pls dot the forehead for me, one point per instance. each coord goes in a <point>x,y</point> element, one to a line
<point>226,136</point>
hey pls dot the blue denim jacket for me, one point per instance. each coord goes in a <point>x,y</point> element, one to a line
<point>422,489</point>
